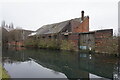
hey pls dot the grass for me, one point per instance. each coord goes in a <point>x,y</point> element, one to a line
<point>3,73</point>
<point>51,44</point>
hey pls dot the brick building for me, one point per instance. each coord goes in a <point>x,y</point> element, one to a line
<point>76,30</point>
<point>17,36</point>
<point>57,30</point>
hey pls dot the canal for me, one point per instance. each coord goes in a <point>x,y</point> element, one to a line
<point>42,63</point>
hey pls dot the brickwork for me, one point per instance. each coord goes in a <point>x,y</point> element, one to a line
<point>101,39</point>
<point>80,27</point>
<point>77,31</point>
<point>75,39</point>
<point>96,40</point>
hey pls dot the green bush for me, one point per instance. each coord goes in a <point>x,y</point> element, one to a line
<point>53,44</point>
<point>30,43</point>
<point>42,44</point>
<point>50,44</point>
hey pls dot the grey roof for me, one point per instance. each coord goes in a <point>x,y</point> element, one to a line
<point>55,28</point>
<point>52,28</point>
<point>77,19</point>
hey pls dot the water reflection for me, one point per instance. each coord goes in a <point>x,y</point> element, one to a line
<point>31,69</point>
<point>60,64</point>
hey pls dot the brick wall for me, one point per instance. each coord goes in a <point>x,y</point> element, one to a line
<point>80,27</point>
<point>98,39</point>
<point>101,39</point>
<point>74,37</point>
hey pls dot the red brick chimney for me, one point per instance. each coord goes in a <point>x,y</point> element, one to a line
<point>82,15</point>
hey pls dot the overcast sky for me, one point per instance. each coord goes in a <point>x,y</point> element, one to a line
<point>32,14</point>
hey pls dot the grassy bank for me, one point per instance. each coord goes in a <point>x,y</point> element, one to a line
<point>3,73</point>
<point>51,44</point>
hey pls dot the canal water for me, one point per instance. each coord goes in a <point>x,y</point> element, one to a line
<point>42,63</point>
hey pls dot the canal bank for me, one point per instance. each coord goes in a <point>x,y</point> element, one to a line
<point>3,73</point>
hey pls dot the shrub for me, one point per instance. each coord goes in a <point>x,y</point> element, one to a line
<point>67,45</point>
<point>50,44</point>
<point>30,43</point>
<point>42,43</point>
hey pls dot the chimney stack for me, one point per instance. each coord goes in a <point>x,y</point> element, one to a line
<point>82,15</point>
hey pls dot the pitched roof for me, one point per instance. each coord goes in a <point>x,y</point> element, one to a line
<point>56,27</point>
<point>52,28</point>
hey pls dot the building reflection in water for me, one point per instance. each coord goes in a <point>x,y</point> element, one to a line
<point>116,73</point>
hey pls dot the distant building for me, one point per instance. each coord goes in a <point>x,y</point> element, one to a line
<point>4,36</point>
<point>11,26</point>
<point>7,27</point>
<point>17,36</point>
<point>11,35</point>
